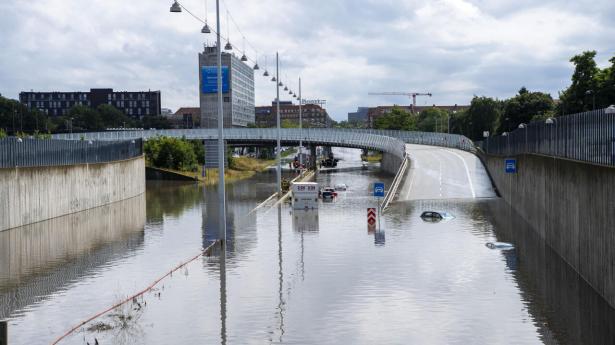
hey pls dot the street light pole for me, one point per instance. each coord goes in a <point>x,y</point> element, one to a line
<point>300,129</point>
<point>278,153</point>
<point>221,186</point>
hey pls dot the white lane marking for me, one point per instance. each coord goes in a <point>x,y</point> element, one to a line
<point>467,171</point>
<point>440,164</point>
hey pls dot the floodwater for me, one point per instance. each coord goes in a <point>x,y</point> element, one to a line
<point>294,277</point>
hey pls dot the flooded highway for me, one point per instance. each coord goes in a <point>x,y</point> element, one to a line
<point>294,277</point>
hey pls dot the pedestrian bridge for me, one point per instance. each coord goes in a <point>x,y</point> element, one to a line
<point>391,142</point>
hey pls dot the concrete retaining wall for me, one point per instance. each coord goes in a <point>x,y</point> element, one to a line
<point>30,195</point>
<point>390,163</point>
<point>571,205</point>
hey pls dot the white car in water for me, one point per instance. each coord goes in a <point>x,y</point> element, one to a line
<point>341,187</point>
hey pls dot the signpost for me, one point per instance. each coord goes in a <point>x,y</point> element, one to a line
<point>511,165</point>
<point>378,193</point>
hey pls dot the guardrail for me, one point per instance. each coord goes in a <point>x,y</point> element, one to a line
<point>395,184</point>
<point>587,137</point>
<point>16,152</point>
<point>382,140</point>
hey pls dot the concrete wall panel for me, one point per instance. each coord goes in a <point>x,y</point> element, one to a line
<point>571,205</point>
<point>30,195</point>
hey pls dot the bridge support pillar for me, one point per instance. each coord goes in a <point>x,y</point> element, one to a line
<point>313,157</point>
<point>390,163</point>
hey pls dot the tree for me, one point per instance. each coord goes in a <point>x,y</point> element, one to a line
<point>523,108</point>
<point>286,123</point>
<point>112,117</point>
<point>158,122</point>
<point>483,115</point>
<point>397,119</point>
<point>585,78</point>
<point>433,120</point>
<point>170,153</point>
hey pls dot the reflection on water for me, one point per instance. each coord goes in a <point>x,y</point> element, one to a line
<point>556,295</point>
<point>316,277</point>
<point>39,259</point>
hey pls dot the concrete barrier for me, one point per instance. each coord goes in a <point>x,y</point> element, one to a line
<point>571,205</point>
<point>33,194</point>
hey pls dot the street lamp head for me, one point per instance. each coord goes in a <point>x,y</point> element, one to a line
<point>256,67</point>
<point>550,121</point>
<point>610,110</point>
<point>176,8</point>
<point>228,46</point>
<point>280,84</point>
<point>589,92</point>
<point>205,29</point>
<point>285,88</point>
<point>522,125</point>
<point>505,134</point>
<point>273,79</point>
<point>19,140</point>
<point>244,58</point>
<point>266,74</point>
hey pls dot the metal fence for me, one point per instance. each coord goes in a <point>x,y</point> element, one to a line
<point>383,140</point>
<point>587,137</point>
<point>36,152</point>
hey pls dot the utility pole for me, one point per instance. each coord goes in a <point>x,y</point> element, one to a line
<point>300,128</point>
<point>278,153</point>
<point>221,186</point>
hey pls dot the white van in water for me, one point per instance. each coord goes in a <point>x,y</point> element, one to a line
<point>305,195</point>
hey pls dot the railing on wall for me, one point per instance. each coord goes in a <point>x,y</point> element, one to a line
<point>587,137</point>
<point>16,152</point>
<point>382,140</point>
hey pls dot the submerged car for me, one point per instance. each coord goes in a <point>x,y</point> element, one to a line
<point>341,187</point>
<point>499,245</point>
<point>432,216</point>
<point>327,193</point>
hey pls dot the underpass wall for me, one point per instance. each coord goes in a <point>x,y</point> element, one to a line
<point>33,194</point>
<point>571,205</point>
<point>390,163</point>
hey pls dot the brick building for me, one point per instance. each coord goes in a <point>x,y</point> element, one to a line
<point>313,115</point>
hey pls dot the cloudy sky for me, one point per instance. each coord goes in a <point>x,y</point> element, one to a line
<point>342,49</point>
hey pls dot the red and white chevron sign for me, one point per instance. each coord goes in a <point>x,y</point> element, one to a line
<point>371,216</point>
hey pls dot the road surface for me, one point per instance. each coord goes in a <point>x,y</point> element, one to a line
<point>443,173</point>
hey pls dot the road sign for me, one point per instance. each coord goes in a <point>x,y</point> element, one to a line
<point>511,165</point>
<point>371,216</point>
<point>379,189</point>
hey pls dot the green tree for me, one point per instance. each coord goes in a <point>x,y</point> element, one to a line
<point>433,120</point>
<point>483,115</point>
<point>524,107</point>
<point>2,133</point>
<point>112,117</point>
<point>158,122</point>
<point>170,153</point>
<point>286,123</point>
<point>585,78</point>
<point>397,119</point>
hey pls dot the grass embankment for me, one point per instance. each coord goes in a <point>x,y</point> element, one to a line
<point>372,158</point>
<point>240,168</point>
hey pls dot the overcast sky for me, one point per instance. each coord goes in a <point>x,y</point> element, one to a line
<point>342,49</point>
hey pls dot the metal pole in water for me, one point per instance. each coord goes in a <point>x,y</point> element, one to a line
<point>278,154</point>
<point>221,187</point>
<point>300,128</point>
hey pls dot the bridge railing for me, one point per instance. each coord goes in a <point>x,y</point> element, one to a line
<point>587,137</point>
<point>384,140</point>
<point>16,152</point>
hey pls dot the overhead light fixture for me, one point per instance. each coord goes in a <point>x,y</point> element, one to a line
<point>280,84</point>
<point>266,74</point>
<point>228,46</point>
<point>176,8</point>
<point>256,68</point>
<point>206,29</point>
<point>273,79</point>
<point>244,58</point>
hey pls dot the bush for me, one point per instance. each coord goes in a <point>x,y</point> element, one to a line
<point>171,153</point>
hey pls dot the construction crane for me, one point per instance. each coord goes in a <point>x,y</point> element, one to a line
<point>409,94</point>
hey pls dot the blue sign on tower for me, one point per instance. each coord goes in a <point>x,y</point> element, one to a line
<point>379,189</point>
<point>209,79</point>
<point>511,165</point>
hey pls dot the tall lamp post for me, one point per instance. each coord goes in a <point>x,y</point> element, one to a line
<point>552,121</point>
<point>278,155</point>
<point>524,127</point>
<point>591,92</point>
<point>300,128</point>
<point>176,8</point>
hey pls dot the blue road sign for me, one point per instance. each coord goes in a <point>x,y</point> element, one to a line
<point>379,189</point>
<point>511,166</point>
